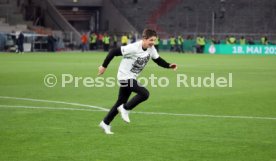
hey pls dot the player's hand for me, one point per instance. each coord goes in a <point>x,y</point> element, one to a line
<point>173,66</point>
<point>101,70</point>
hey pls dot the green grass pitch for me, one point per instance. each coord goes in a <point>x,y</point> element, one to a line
<point>50,131</point>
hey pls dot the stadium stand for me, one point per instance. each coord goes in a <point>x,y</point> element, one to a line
<point>10,17</point>
<point>78,3</point>
<point>188,16</point>
<point>137,13</point>
<point>210,18</point>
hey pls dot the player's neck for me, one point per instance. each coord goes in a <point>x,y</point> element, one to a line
<point>144,46</point>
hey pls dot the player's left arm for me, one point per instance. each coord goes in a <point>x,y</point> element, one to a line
<point>162,63</point>
<point>112,53</point>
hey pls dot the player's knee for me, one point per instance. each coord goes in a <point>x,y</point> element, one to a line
<point>145,95</point>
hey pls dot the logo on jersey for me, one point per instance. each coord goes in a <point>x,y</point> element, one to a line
<point>139,64</point>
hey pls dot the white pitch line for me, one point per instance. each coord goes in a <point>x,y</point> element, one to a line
<point>57,102</point>
<point>205,115</point>
<point>50,108</point>
<point>104,109</point>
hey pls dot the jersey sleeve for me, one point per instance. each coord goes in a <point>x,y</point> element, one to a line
<point>154,54</point>
<point>126,50</point>
<point>112,53</point>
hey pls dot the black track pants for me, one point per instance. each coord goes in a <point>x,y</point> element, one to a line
<point>126,88</point>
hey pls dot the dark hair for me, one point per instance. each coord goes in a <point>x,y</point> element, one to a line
<point>147,33</point>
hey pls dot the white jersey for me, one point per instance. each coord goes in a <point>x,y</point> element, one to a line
<point>134,60</point>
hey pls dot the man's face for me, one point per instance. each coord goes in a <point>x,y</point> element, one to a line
<point>147,43</point>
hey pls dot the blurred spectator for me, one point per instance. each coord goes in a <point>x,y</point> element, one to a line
<point>100,40</point>
<point>133,38</point>
<point>214,40</point>
<point>242,40</point>
<point>179,46</point>
<point>124,40</point>
<point>264,40</point>
<point>20,42</point>
<point>200,44</point>
<point>250,41</point>
<point>84,40</point>
<point>106,42</point>
<point>172,43</point>
<point>156,43</point>
<point>232,40</point>
<point>227,39</point>
<point>51,42</point>
<point>93,41</point>
<point>115,41</point>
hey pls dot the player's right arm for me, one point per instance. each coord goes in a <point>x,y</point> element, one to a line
<point>112,53</point>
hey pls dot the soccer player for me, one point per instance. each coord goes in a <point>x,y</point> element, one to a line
<point>135,58</point>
